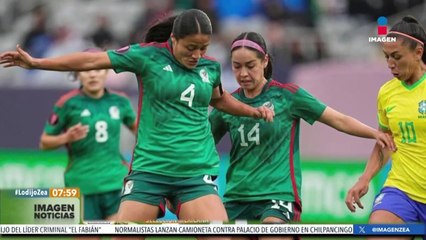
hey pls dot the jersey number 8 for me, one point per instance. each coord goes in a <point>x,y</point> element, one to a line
<point>101,134</point>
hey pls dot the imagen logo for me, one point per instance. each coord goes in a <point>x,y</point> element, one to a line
<point>382,28</point>
<point>382,31</point>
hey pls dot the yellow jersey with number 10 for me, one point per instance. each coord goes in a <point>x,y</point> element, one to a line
<point>402,110</point>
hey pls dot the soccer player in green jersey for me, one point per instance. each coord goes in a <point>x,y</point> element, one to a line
<point>88,122</point>
<point>175,155</point>
<point>401,110</point>
<point>264,176</point>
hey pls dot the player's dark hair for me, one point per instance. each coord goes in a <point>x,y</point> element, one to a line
<point>257,38</point>
<point>189,22</point>
<point>410,26</point>
<point>192,21</point>
<point>160,31</point>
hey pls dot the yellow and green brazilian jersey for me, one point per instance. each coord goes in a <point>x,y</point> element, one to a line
<point>402,110</point>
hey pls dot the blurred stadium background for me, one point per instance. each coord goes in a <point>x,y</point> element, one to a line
<point>321,45</point>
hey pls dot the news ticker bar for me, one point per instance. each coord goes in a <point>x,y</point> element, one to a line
<point>216,229</point>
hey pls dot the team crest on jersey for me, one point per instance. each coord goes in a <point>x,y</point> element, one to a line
<point>422,107</point>
<point>85,113</point>
<point>204,75</point>
<point>128,187</point>
<point>114,112</point>
<point>269,105</point>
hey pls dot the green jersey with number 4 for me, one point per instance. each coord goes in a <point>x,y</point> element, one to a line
<point>95,163</point>
<point>264,159</point>
<point>174,137</point>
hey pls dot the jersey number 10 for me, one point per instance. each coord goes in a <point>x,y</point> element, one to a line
<point>408,132</point>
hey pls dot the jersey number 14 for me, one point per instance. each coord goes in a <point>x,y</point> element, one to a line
<point>252,135</point>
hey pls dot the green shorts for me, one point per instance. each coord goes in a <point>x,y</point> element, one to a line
<point>153,189</point>
<point>259,210</point>
<point>102,205</point>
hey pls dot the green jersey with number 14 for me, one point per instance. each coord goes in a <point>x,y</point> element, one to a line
<point>264,159</point>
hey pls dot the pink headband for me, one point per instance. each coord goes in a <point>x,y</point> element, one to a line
<point>247,43</point>
<point>408,36</point>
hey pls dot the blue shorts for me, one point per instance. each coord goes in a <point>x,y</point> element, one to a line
<point>397,202</point>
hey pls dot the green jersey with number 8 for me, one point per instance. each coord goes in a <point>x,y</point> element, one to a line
<point>95,163</point>
<point>174,137</point>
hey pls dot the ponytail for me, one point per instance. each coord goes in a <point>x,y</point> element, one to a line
<point>160,31</point>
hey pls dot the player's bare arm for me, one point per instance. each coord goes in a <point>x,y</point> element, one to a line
<point>227,103</point>
<point>352,126</point>
<point>378,158</point>
<point>80,61</point>
<point>74,133</point>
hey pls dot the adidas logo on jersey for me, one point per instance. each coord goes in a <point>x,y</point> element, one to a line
<point>85,113</point>
<point>168,68</point>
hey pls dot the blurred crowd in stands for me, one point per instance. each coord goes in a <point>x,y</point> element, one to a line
<point>293,29</point>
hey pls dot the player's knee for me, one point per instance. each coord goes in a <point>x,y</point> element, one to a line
<point>273,220</point>
<point>383,216</point>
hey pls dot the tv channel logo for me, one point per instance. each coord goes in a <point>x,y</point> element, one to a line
<point>382,31</point>
<point>382,28</point>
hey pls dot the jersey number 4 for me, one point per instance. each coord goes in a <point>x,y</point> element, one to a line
<point>188,95</point>
<point>252,135</point>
